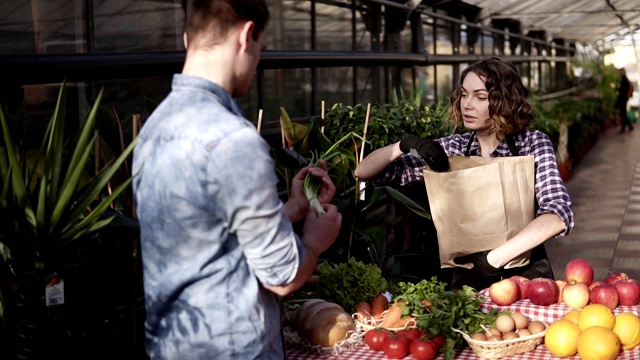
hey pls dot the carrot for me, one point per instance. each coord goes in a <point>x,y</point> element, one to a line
<point>378,305</point>
<point>363,310</point>
<point>393,317</point>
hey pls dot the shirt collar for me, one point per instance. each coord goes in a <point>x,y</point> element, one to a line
<point>198,83</point>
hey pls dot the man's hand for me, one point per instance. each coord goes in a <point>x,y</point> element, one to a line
<point>298,204</point>
<point>428,150</point>
<point>320,232</point>
<point>481,266</point>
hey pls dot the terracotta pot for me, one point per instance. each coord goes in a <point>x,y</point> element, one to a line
<point>565,169</point>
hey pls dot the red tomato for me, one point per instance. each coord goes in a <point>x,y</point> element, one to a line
<point>396,347</point>
<point>439,339</point>
<point>423,349</point>
<point>375,338</point>
<point>410,333</point>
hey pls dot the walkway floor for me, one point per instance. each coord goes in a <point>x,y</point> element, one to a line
<point>605,191</point>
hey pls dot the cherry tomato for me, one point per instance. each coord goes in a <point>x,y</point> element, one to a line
<point>410,333</point>
<point>396,347</point>
<point>423,349</point>
<point>439,340</point>
<point>375,338</point>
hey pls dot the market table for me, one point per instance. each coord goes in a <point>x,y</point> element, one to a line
<point>547,314</point>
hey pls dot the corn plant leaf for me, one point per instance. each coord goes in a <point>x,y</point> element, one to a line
<point>289,158</point>
<point>413,206</point>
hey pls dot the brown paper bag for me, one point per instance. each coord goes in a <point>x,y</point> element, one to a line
<point>480,203</point>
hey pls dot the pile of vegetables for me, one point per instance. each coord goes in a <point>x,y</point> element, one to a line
<point>346,284</point>
<point>446,310</point>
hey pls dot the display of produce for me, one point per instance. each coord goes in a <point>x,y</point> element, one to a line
<point>577,316</point>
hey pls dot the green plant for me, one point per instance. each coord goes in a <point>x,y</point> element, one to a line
<point>49,203</point>
<point>565,110</point>
<point>368,237</point>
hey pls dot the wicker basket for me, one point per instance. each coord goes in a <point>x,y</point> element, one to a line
<point>499,349</point>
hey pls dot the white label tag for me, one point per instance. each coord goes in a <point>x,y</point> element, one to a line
<point>54,293</point>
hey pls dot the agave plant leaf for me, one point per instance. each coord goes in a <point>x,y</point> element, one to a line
<point>76,165</point>
<point>16,180</point>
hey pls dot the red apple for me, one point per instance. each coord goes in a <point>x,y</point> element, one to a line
<point>504,292</point>
<point>542,291</point>
<point>596,283</point>
<point>576,296</point>
<point>561,285</point>
<point>605,294</point>
<point>628,291</point>
<point>579,271</point>
<point>612,278</point>
<point>522,282</point>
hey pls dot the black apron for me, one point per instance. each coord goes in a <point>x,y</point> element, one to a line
<point>539,264</point>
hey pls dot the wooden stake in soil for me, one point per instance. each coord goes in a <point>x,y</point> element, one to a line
<point>284,145</point>
<point>259,127</point>
<point>322,116</point>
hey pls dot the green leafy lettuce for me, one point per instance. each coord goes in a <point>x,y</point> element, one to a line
<point>348,283</point>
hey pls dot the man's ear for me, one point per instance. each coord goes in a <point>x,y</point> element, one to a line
<point>246,34</point>
<point>185,40</point>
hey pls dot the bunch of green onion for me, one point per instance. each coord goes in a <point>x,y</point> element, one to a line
<point>311,185</point>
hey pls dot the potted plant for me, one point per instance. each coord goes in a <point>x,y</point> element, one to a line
<point>49,203</point>
<point>565,111</point>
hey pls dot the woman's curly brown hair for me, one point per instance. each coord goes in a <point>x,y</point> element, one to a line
<point>509,110</point>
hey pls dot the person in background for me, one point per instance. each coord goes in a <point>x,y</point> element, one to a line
<point>217,243</point>
<point>491,103</point>
<point>621,101</point>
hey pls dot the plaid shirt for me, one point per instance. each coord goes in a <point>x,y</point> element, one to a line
<point>551,194</point>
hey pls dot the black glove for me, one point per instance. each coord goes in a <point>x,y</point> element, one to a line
<point>481,266</point>
<point>428,150</point>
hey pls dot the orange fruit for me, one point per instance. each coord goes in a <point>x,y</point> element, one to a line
<point>596,315</point>
<point>572,315</point>
<point>598,343</point>
<point>561,338</point>
<point>628,330</point>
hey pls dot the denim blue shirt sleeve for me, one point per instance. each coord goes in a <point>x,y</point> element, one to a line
<point>550,191</point>
<point>213,229</point>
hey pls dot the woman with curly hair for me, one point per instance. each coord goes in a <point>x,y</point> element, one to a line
<point>491,103</point>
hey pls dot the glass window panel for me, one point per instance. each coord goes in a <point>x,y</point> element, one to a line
<point>474,35</point>
<point>444,80</point>
<point>534,80</point>
<point>127,26</point>
<point>405,37</point>
<point>363,36</point>
<point>290,88</point>
<point>369,79</point>
<point>443,39</point>
<point>487,45</point>
<point>41,27</point>
<point>335,85</point>
<point>289,27</point>
<point>427,32</point>
<point>16,28</point>
<point>333,28</point>
<point>420,84</point>
<point>464,48</point>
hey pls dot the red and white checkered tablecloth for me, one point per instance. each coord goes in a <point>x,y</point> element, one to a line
<point>364,353</point>
<point>547,314</point>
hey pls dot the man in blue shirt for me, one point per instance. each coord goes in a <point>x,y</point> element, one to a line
<point>217,243</point>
